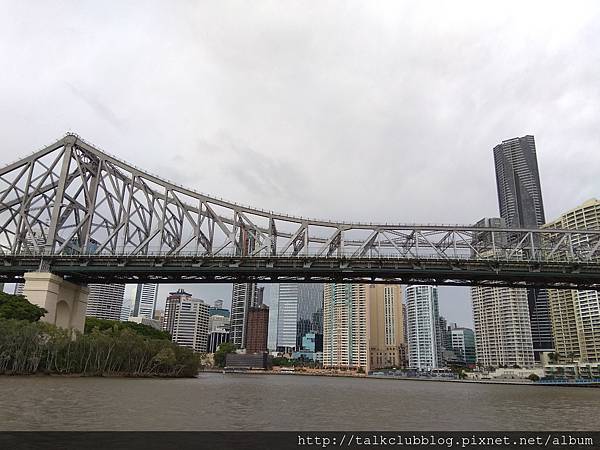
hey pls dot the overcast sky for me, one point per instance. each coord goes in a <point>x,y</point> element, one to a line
<point>367,111</point>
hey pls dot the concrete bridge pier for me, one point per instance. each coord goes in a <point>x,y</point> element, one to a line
<point>65,302</point>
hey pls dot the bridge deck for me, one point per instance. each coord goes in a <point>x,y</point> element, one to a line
<point>227,269</point>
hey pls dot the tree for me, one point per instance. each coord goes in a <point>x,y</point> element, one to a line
<point>221,353</point>
<point>92,323</point>
<point>533,377</point>
<point>17,307</point>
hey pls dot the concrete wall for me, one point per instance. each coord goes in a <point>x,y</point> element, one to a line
<point>65,302</point>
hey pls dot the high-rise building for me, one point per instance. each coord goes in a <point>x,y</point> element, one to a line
<point>258,329</point>
<point>345,326</point>
<point>145,300</point>
<point>424,346</point>
<point>312,342</point>
<point>186,319</point>
<point>300,311</point>
<point>218,309</point>
<point>521,206</point>
<point>128,301</point>
<point>310,311</point>
<point>242,298</point>
<point>463,344</point>
<point>575,315</point>
<point>502,327</point>
<point>287,315</point>
<point>518,183</point>
<point>387,347</point>
<point>244,295</point>
<point>105,301</point>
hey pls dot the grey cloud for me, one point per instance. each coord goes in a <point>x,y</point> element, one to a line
<point>374,111</point>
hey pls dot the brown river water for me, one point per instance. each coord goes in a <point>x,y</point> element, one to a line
<point>286,402</point>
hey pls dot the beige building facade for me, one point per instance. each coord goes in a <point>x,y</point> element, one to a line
<point>346,326</point>
<point>575,315</point>
<point>502,327</point>
<point>387,347</point>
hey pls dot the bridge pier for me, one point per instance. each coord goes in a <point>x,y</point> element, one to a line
<point>65,302</point>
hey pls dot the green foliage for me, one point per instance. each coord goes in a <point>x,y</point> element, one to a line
<point>300,362</point>
<point>115,326</point>
<point>283,362</point>
<point>17,307</point>
<point>534,377</point>
<point>221,353</point>
<point>38,347</point>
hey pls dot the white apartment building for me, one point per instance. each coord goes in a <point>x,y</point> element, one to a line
<point>422,317</point>
<point>502,327</point>
<point>105,301</point>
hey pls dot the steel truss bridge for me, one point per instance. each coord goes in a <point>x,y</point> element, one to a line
<point>78,212</point>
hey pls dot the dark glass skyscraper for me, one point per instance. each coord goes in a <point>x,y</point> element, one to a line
<point>243,297</point>
<point>518,181</point>
<point>521,206</point>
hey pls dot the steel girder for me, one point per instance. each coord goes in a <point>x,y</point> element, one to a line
<point>71,198</point>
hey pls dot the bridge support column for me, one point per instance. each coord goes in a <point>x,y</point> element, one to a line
<point>65,302</point>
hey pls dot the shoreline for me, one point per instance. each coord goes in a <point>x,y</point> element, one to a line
<point>379,377</point>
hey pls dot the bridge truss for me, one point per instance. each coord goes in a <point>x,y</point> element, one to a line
<point>79,212</point>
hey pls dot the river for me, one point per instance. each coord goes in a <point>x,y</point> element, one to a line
<point>286,402</point>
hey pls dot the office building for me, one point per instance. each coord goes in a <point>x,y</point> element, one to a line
<point>575,315</point>
<point>287,315</point>
<point>502,327</point>
<point>186,319</point>
<point>145,300</point>
<point>386,326</point>
<point>105,301</point>
<point>257,329</point>
<point>424,346</point>
<point>217,321</point>
<point>218,317</point>
<point>312,342</point>
<point>521,206</point>
<point>216,338</point>
<point>463,344</point>
<point>242,298</point>
<point>128,301</point>
<point>299,311</point>
<point>345,326</point>
<point>218,309</point>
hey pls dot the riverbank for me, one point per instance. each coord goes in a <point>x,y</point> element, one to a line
<point>426,379</point>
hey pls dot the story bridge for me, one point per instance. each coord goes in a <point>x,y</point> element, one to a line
<point>71,212</point>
